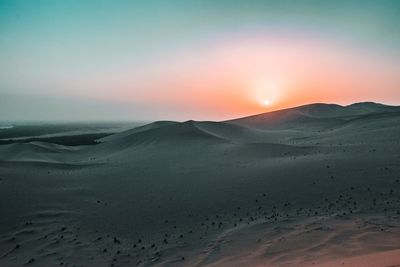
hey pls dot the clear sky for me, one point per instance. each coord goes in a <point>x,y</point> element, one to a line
<point>178,60</point>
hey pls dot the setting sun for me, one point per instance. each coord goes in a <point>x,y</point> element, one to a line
<point>266,102</point>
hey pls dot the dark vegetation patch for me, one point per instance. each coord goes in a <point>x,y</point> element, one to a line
<point>67,140</point>
<point>44,129</point>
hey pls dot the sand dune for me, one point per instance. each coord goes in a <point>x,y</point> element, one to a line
<point>314,115</point>
<point>313,185</point>
<point>143,128</point>
<point>35,151</point>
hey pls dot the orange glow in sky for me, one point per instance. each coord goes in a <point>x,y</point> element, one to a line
<point>242,77</point>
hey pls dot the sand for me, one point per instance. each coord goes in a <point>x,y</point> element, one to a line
<point>317,185</point>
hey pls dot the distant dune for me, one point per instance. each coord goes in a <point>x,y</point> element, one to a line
<point>315,185</point>
<point>139,129</point>
<point>314,115</point>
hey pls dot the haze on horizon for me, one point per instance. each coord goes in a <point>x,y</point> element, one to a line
<point>178,60</point>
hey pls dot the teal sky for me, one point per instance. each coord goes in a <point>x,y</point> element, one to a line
<point>145,60</point>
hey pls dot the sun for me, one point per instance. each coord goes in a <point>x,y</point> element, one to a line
<point>266,91</point>
<point>266,102</point>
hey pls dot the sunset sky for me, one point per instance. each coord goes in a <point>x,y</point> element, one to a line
<point>204,60</point>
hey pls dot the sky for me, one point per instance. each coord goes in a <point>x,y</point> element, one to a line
<point>206,60</point>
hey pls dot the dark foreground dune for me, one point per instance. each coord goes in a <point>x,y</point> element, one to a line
<point>317,185</point>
